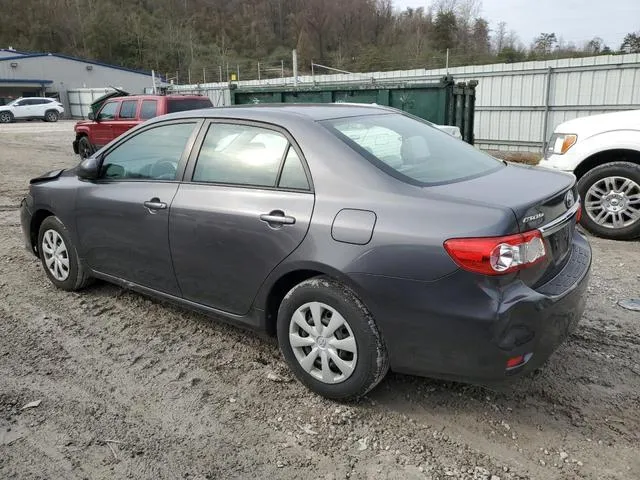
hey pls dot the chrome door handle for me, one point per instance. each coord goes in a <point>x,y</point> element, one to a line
<point>277,217</point>
<point>155,204</point>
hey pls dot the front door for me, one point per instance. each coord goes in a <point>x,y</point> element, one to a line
<point>102,131</point>
<point>22,108</point>
<point>123,218</point>
<point>248,206</point>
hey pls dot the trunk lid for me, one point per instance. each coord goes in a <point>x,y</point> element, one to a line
<point>538,198</point>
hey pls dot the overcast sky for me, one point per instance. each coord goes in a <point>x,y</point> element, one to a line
<point>573,20</point>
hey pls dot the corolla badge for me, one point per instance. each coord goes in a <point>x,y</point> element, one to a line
<point>531,218</point>
<point>569,199</point>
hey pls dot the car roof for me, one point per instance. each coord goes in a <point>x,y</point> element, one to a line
<point>281,111</point>
<point>155,97</point>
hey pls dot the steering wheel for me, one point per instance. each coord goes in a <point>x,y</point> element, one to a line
<point>163,170</point>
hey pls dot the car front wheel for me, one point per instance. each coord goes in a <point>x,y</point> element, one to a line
<point>85,149</point>
<point>59,257</point>
<point>611,200</point>
<point>330,340</point>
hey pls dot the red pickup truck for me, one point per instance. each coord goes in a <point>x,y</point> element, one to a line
<point>119,114</point>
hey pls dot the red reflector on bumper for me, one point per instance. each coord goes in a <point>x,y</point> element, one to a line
<point>515,361</point>
<point>518,361</point>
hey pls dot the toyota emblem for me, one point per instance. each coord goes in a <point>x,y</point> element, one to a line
<point>569,200</point>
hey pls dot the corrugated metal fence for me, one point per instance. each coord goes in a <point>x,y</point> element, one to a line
<point>518,105</point>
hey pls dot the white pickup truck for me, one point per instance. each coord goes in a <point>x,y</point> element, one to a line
<point>603,152</point>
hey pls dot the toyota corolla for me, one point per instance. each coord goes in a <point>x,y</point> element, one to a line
<point>364,238</point>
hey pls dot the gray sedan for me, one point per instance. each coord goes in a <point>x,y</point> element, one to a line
<point>364,238</point>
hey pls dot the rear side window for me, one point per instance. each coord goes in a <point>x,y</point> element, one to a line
<point>240,155</point>
<point>293,174</point>
<point>182,104</point>
<point>149,109</point>
<point>412,150</point>
<point>128,109</point>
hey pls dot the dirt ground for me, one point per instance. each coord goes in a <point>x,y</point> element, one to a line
<point>132,388</point>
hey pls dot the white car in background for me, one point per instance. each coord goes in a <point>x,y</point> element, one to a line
<point>31,108</point>
<point>603,152</point>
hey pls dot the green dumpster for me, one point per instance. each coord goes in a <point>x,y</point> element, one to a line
<point>444,102</point>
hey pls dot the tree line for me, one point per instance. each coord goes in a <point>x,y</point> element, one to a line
<point>205,39</point>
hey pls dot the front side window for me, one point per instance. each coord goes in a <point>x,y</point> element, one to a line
<point>153,154</point>
<point>148,109</point>
<point>108,111</point>
<point>412,150</point>
<point>240,155</point>
<point>128,109</point>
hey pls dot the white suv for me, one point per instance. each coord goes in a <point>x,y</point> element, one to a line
<point>29,108</point>
<point>603,152</point>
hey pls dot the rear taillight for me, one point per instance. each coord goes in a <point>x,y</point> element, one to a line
<point>497,255</point>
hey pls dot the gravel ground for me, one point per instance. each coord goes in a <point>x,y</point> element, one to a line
<point>132,388</point>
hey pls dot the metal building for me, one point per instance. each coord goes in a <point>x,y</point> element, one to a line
<point>53,75</point>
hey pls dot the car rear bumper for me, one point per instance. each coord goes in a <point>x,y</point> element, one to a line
<point>464,327</point>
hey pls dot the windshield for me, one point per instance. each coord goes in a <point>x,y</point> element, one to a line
<point>412,150</point>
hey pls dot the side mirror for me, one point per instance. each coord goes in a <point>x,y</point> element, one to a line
<point>91,116</point>
<point>89,168</point>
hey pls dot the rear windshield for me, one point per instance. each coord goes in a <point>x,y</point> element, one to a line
<point>181,104</point>
<point>412,150</point>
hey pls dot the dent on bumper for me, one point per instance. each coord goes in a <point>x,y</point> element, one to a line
<point>465,327</point>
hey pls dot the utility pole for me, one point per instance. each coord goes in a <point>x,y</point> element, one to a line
<point>204,75</point>
<point>294,54</point>
<point>258,71</point>
<point>447,65</point>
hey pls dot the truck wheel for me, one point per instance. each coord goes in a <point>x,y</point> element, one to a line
<point>85,149</point>
<point>611,200</point>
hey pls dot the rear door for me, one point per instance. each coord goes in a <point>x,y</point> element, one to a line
<point>127,117</point>
<point>102,131</point>
<point>245,206</point>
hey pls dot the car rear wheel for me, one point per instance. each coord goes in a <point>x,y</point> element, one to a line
<point>59,257</point>
<point>85,149</point>
<point>330,340</point>
<point>51,116</point>
<point>611,200</point>
<point>6,117</point>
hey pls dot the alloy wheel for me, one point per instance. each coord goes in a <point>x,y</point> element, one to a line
<point>613,202</point>
<point>323,342</point>
<point>56,256</point>
<point>5,117</point>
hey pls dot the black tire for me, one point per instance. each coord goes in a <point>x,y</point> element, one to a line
<point>85,149</point>
<point>6,117</point>
<point>372,361</point>
<point>625,170</point>
<point>77,276</point>
<point>51,116</point>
